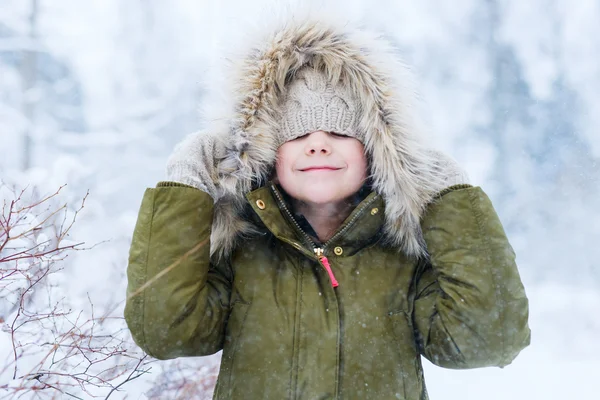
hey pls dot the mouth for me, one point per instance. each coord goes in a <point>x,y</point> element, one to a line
<point>320,168</point>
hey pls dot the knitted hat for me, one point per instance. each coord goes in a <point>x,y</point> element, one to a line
<point>313,103</point>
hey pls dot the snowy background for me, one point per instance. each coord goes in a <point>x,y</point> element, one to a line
<point>96,93</point>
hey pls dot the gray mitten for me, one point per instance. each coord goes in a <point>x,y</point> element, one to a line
<point>450,172</point>
<point>194,162</point>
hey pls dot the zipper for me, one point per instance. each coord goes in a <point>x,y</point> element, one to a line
<point>320,251</point>
<point>325,263</point>
<point>282,205</point>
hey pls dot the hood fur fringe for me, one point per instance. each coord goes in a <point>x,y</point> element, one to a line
<point>402,169</point>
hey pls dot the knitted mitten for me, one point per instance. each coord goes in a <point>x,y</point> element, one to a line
<point>193,162</point>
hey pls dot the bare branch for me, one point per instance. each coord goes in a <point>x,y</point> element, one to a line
<point>66,353</point>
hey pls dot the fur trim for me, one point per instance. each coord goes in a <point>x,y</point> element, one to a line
<point>402,169</point>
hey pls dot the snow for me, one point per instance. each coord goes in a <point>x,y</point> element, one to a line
<point>561,363</point>
<point>513,99</point>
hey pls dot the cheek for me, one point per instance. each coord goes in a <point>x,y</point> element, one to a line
<point>359,160</point>
<point>285,153</point>
<point>282,164</point>
<point>360,171</point>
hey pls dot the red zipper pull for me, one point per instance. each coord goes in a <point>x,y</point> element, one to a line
<point>325,263</point>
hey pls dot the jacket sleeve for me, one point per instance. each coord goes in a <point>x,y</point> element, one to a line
<point>470,307</point>
<point>182,312</point>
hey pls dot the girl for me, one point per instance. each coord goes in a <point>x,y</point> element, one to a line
<point>317,241</point>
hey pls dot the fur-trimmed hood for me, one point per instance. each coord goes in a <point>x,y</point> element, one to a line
<point>403,170</point>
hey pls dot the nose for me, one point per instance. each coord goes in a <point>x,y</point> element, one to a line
<point>317,143</point>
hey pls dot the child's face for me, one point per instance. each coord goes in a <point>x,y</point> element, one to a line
<point>321,167</point>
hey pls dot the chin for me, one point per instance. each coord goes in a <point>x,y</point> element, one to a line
<point>319,195</point>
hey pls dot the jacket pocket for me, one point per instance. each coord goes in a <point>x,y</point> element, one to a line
<point>235,327</point>
<point>411,370</point>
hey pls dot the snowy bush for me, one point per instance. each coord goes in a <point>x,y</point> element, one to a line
<point>47,347</point>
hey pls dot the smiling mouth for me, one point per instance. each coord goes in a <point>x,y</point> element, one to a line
<point>320,169</point>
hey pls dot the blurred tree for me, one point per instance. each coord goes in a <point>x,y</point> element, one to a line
<point>537,141</point>
<point>40,95</point>
<point>28,74</point>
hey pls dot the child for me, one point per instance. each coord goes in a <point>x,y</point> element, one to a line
<point>317,241</point>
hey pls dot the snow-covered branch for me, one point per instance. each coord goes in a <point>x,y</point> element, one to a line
<point>54,350</point>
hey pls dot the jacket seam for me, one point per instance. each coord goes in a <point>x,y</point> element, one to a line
<point>297,333</point>
<point>336,393</point>
<point>173,184</point>
<point>236,342</point>
<point>452,189</point>
<point>143,294</point>
<point>477,212</point>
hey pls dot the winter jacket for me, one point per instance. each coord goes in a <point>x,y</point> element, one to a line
<point>422,269</point>
<point>287,333</point>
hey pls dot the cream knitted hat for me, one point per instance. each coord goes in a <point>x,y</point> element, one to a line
<point>313,103</point>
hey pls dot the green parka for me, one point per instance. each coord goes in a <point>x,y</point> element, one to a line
<point>287,333</point>
<point>422,269</point>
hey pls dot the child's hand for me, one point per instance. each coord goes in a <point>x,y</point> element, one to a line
<point>451,173</point>
<point>194,162</point>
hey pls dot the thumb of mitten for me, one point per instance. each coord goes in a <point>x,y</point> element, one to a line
<point>193,162</point>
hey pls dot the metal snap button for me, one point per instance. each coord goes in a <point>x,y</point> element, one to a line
<point>338,251</point>
<point>374,211</point>
<point>260,204</point>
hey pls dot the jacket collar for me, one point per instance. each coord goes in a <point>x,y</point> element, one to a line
<point>362,227</point>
